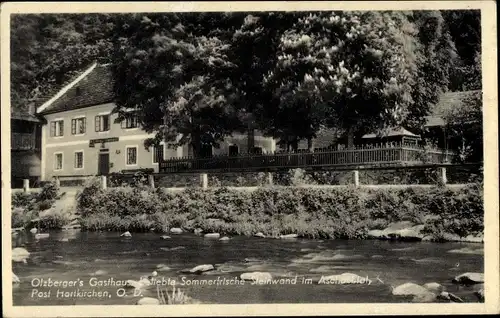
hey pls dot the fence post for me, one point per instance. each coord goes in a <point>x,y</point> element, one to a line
<point>26,185</point>
<point>151,181</point>
<point>355,175</point>
<point>58,182</point>
<point>103,182</point>
<point>442,175</point>
<point>204,180</point>
<point>270,178</point>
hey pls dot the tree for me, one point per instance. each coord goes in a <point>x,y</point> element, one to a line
<point>348,70</point>
<point>47,50</point>
<point>465,30</point>
<point>436,55</point>
<point>170,68</point>
<point>254,46</point>
<point>464,125</point>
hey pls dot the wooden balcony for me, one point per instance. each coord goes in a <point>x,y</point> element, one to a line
<point>374,155</point>
<point>22,141</point>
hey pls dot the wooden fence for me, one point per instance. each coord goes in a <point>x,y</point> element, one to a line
<point>382,154</point>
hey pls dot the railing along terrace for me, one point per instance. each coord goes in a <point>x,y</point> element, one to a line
<point>22,141</point>
<point>376,154</point>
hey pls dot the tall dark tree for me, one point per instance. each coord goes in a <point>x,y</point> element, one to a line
<point>47,50</point>
<point>172,69</point>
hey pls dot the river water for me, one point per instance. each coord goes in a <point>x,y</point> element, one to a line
<point>90,258</point>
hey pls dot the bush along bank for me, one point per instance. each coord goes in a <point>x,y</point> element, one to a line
<point>351,213</point>
<point>37,210</point>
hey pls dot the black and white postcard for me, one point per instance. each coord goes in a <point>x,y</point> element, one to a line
<point>249,158</point>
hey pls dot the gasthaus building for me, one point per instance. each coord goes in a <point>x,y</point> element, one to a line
<point>79,136</point>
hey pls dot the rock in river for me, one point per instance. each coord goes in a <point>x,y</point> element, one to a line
<point>138,284</point>
<point>199,269</point>
<point>225,238</point>
<point>175,230</point>
<point>39,236</point>
<point>148,301</point>
<point>198,231</point>
<point>165,237</point>
<point>34,230</point>
<point>450,297</point>
<point>289,236</point>
<point>212,235</point>
<point>15,279</point>
<point>469,278</point>
<point>20,254</point>
<point>126,234</point>
<point>479,292</point>
<point>421,294</point>
<point>434,287</point>
<point>99,272</point>
<point>162,268</point>
<point>256,276</point>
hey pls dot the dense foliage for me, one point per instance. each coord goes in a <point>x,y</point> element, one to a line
<point>35,209</point>
<point>309,212</point>
<point>286,73</point>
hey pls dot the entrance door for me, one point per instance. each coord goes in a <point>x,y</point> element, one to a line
<point>103,166</point>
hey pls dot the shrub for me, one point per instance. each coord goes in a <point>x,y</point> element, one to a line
<point>54,219</point>
<point>49,192</point>
<point>23,199</point>
<point>346,212</point>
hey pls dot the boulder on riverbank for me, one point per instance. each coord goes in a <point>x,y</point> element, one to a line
<point>20,254</point>
<point>176,230</point>
<point>289,236</point>
<point>33,230</point>
<point>148,301</point>
<point>224,239</point>
<point>256,276</point>
<point>469,278</point>
<point>126,234</point>
<point>165,237</point>
<point>259,234</point>
<point>212,235</point>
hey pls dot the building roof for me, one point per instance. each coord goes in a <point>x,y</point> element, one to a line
<point>391,133</point>
<point>23,115</point>
<point>90,88</point>
<point>447,102</point>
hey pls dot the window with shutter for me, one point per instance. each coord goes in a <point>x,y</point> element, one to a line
<point>52,129</point>
<point>61,129</point>
<point>83,124</point>
<point>73,126</point>
<point>97,123</point>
